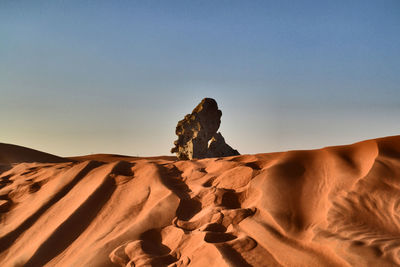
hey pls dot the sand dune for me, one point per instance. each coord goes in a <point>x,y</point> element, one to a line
<point>16,154</point>
<point>336,206</point>
<point>12,154</point>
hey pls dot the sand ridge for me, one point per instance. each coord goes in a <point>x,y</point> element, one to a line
<point>335,206</point>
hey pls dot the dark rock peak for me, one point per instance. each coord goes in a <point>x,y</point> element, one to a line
<point>197,134</point>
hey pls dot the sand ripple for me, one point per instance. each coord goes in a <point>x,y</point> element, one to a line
<point>336,206</point>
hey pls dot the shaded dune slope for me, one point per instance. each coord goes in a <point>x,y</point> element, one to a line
<point>336,206</point>
<point>16,154</point>
<point>12,154</point>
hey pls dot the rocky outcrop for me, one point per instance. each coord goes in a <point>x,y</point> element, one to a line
<point>197,134</point>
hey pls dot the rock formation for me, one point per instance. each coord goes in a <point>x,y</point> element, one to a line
<point>197,134</point>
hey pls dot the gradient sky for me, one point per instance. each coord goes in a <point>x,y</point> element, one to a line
<point>81,77</point>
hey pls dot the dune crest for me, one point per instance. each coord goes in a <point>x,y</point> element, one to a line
<point>335,206</point>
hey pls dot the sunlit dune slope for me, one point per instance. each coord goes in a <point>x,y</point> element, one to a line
<point>336,206</point>
<point>112,158</point>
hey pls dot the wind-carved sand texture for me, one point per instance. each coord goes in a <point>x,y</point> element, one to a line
<point>197,134</point>
<point>336,206</point>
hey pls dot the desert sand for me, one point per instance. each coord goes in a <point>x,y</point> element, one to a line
<point>335,206</point>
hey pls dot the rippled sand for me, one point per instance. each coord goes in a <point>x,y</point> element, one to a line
<point>336,206</point>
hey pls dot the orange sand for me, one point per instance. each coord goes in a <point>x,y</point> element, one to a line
<point>336,206</point>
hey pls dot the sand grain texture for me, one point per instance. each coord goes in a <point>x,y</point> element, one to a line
<point>336,206</point>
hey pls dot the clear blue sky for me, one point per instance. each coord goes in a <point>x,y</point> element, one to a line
<point>81,77</point>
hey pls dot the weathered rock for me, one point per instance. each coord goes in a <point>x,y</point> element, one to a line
<point>197,134</point>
